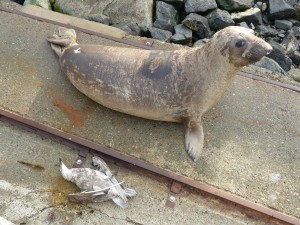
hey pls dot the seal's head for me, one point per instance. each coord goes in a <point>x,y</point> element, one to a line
<point>241,46</point>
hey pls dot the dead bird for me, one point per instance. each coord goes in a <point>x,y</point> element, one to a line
<point>96,185</point>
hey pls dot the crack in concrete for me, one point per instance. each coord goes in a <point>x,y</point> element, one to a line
<point>132,221</point>
<point>25,220</point>
<point>128,220</point>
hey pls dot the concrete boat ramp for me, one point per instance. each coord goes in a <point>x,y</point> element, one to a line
<point>252,145</point>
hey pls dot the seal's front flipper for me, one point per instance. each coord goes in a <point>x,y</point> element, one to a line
<point>64,38</point>
<point>194,140</point>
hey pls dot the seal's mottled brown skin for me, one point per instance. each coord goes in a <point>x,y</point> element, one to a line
<point>176,86</point>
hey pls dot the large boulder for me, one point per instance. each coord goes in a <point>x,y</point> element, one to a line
<point>269,64</point>
<point>41,3</point>
<point>166,16</point>
<point>283,24</point>
<point>292,2</point>
<point>131,28</point>
<point>199,5</point>
<point>198,24</point>
<point>235,5</point>
<point>279,9</point>
<point>249,16</point>
<point>116,11</point>
<point>100,18</point>
<point>278,54</point>
<point>219,19</point>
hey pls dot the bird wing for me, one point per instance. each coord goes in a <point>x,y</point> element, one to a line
<point>102,166</point>
<point>82,197</point>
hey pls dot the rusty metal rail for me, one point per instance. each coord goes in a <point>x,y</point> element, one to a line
<point>273,82</point>
<point>86,144</point>
<point>163,172</point>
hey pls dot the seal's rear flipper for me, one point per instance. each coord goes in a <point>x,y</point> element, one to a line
<point>64,38</point>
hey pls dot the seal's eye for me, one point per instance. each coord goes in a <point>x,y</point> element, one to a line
<point>240,43</point>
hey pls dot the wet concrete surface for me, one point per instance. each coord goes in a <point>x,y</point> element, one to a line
<point>252,137</point>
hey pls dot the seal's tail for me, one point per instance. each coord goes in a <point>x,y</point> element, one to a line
<point>64,38</point>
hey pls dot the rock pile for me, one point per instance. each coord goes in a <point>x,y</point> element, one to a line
<point>193,22</point>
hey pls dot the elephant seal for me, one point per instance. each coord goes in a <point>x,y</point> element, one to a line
<point>175,86</point>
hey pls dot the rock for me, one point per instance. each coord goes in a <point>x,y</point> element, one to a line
<point>100,18</point>
<point>292,2</point>
<point>283,24</point>
<point>266,31</point>
<point>219,19</point>
<point>279,37</point>
<point>278,54</point>
<point>265,19</point>
<point>183,35</point>
<point>20,2</point>
<point>295,74</point>
<point>243,24</point>
<point>251,26</point>
<point>258,5</point>
<point>199,5</point>
<point>42,3</point>
<point>296,23</point>
<point>269,64</point>
<point>131,28</point>
<point>249,16</point>
<point>264,7</point>
<point>166,16</point>
<point>279,9</point>
<point>197,23</point>
<point>296,77</point>
<point>295,57</point>
<point>297,11</point>
<point>118,11</point>
<point>176,3</point>
<point>290,43</point>
<point>261,5</point>
<point>235,5</point>
<point>296,31</point>
<point>163,35</point>
<point>200,42</point>
<point>281,32</point>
